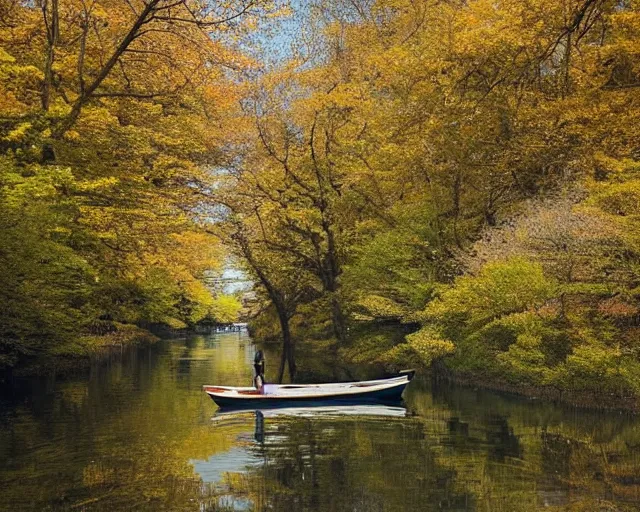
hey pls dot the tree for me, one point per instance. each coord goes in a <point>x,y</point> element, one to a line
<point>283,284</point>
<point>109,113</point>
<point>413,129</point>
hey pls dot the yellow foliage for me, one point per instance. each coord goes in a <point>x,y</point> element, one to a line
<point>19,133</point>
<point>381,307</point>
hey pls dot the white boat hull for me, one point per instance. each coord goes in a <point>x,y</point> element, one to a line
<point>379,390</point>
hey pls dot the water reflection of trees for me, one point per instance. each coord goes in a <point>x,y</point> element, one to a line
<point>349,464</point>
<point>123,438</point>
<point>120,438</point>
<point>538,454</point>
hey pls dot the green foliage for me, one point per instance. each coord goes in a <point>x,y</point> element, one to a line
<point>44,283</point>
<point>489,321</point>
<point>499,289</point>
<point>101,162</point>
<point>377,307</point>
<point>369,348</point>
<point>225,309</point>
<point>500,324</point>
<point>427,345</point>
<point>472,166</point>
<point>594,364</point>
<point>397,263</point>
<point>58,283</point>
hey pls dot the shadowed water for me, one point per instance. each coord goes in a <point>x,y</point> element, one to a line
<point>136,433</point>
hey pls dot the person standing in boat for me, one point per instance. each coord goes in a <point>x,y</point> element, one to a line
<point>258,368</point>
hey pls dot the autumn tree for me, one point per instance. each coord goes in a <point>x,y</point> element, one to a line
<point>109,112</point>
<point>436,125</point>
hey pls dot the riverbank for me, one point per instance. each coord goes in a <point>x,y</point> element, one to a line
<point>581,399</point>
<point>386,345</point>
<point>80,352</point>
<point>372,346</point>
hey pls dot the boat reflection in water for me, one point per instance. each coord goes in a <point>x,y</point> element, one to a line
<point>303,445</point>
<point>309,411</point>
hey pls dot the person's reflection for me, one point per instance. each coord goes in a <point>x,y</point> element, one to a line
<point>259,434</point>
<point>501,439</point>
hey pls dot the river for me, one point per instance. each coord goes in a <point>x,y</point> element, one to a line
<point>135,432</point>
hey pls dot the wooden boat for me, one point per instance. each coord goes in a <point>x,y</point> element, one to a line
<point>275,395</point>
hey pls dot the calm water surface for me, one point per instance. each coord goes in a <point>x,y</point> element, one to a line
<point>137,433</point>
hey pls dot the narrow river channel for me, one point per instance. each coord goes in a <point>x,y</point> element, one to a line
<point>136,433</point>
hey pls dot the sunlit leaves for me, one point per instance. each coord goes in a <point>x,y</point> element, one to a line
<point>112,115</point>
<point>498,289</point>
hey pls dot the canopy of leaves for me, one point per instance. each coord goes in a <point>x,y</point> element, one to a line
<point>470,165</point>
<point>111,116</point>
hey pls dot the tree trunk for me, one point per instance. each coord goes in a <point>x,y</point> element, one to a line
<point>288,355</point>
<point>337,317</point>
<point>279,302</point>
<point>567,66</point>
<point>52,24</point>
<point>332,273</point>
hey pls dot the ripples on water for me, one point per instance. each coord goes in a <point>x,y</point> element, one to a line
<point>137,433</point>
